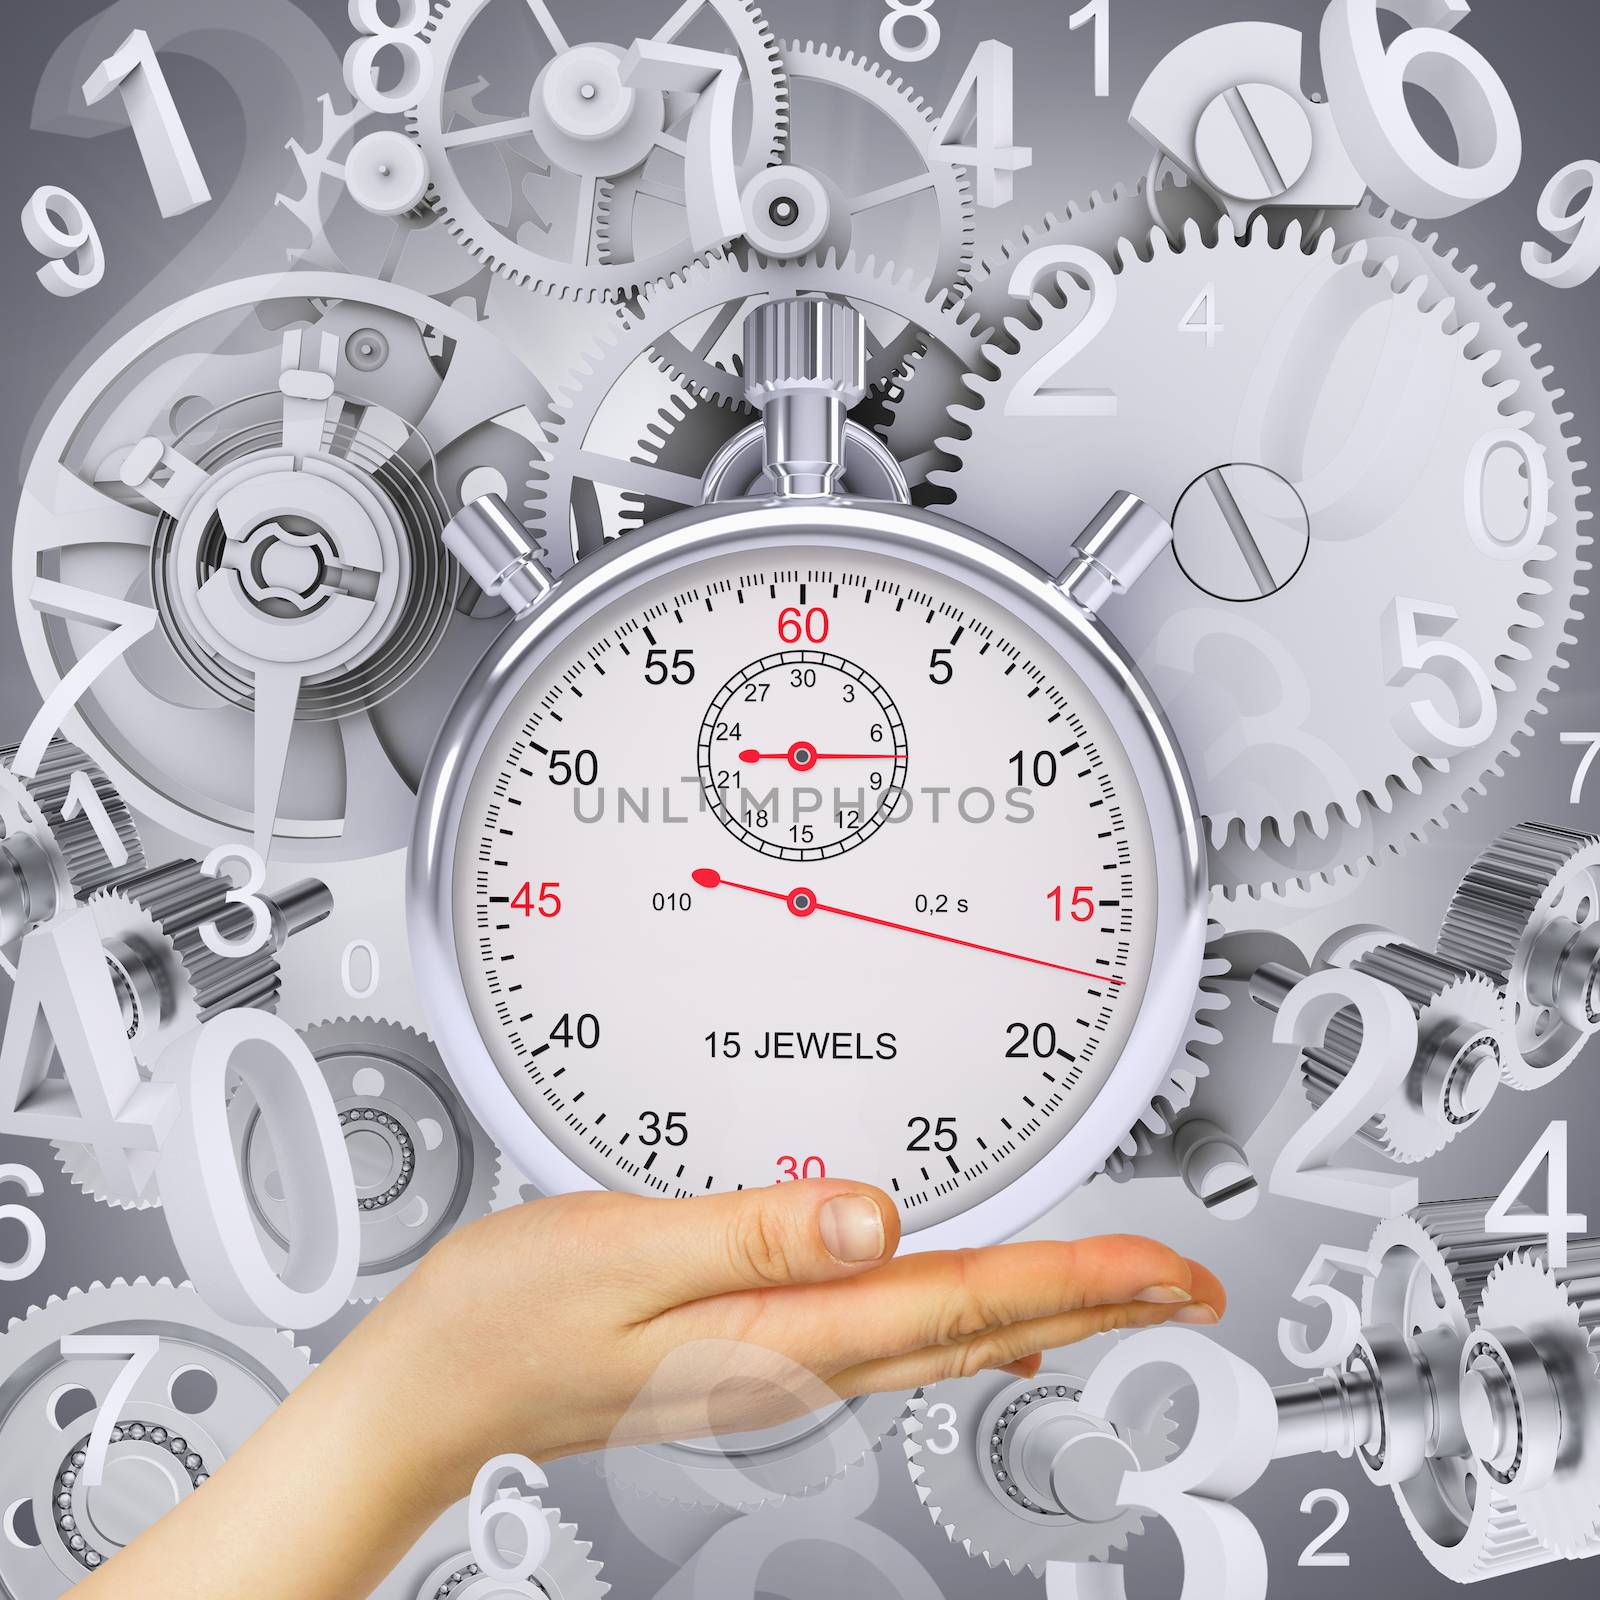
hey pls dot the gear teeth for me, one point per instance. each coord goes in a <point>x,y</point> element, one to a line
<point>1439,992</point>
<point>1453,1237</point>
<point>1523,881</point>
<point>180,900</point>
<point>972,1516</point>
<point>1559,1308</point>
<point>1189,1065</point>
<point>505,257</point>
<point>83,857</point>
<point>1505,890</point>
<point>1352,831</point>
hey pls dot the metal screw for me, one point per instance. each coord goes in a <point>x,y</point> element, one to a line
<point>1254,142</point>
<point>1241,532</point>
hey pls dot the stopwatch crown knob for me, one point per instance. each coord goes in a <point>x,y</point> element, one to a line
<point>809,341</point>
<point>805,365</point>
<point>495,552</point>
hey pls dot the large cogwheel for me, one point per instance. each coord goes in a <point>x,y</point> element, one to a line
<point>860,178</point>
<point>1344,469</point>
<point>209,1386</point>
<point>252,485</point>
<point>561,101</point>
<point>1493,327</point>
<point>422,1164</point>
<point>651,405</point>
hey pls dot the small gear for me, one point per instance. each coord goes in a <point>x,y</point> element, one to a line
<point>47,858</point>
<point>1300,757</point>
<point>881,129</point>
<point>441,1566</point>
<point>209,1387</point>
<point>158,915</point>
<point>588,127</point>
<point>741,1471</point>
<point>1430,1271</point>
<point>168,979</point>
<point>422,1164</point>
<point>979,1488</point>
<point>1547,1439</point>
<point>628,444</point>
<point>1458,1061</point>
<point>349,228</point>
<point>1528,914</point>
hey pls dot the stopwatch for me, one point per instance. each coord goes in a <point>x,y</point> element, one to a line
<point>806,835</point>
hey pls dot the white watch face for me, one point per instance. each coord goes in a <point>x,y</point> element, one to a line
<point>825,866</point>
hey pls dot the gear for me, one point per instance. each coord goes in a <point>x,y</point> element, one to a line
<point>1551,1454</point>
<point>628,444</point>
<point>46,858</point>
<point>797,211</point>
<point>980,1488</point>
<point>1528,914</point>
<point>343,231</point>
<point>422,1164</point>
<point>1256,467</point>
<point>1190,1064</point>
<point>273,505</point>
<point>441,1566</point>
<point>1562,562</point>
<point>1458,1060</point>
<point>209,1387</point>
<point>610,132</point>
<point>169,980</point>
<point>1430,1272</point>
<point>1103,224</point>
<point>753,1469</point>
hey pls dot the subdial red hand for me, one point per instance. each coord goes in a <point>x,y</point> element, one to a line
<point>803,902</point>
<point>802,755</point>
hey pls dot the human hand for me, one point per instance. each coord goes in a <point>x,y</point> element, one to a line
<point>538,1330</point>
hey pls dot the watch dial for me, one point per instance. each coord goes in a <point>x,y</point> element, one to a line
<point>833,868</point>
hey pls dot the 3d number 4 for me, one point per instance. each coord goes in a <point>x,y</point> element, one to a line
<point>977,127</point>
<point>1550,1152</point>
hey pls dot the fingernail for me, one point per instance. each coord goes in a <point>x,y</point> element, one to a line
<point>852,1229</point>
<point>1164,1294</point>
<point>1201,1315</point>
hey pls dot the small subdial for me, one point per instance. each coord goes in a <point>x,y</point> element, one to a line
<point>802,755</point>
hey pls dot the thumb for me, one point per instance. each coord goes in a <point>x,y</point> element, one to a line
<point>807,1232</point>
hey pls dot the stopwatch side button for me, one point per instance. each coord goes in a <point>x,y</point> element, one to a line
<point>1114,551</point>
<point>495,552</point>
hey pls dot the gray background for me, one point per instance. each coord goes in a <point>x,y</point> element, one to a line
<point>246,74</point>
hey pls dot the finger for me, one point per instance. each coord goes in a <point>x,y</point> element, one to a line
<point>1028,1367</point>
<point>792,1233</point>
<point>952,1296</point>
<point>1004,1349</point>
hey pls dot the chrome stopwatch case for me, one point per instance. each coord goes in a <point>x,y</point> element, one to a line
<point>808,835</point>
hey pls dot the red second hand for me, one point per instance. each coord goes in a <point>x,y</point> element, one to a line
<point>803,755</point>
<point>803,903</point>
